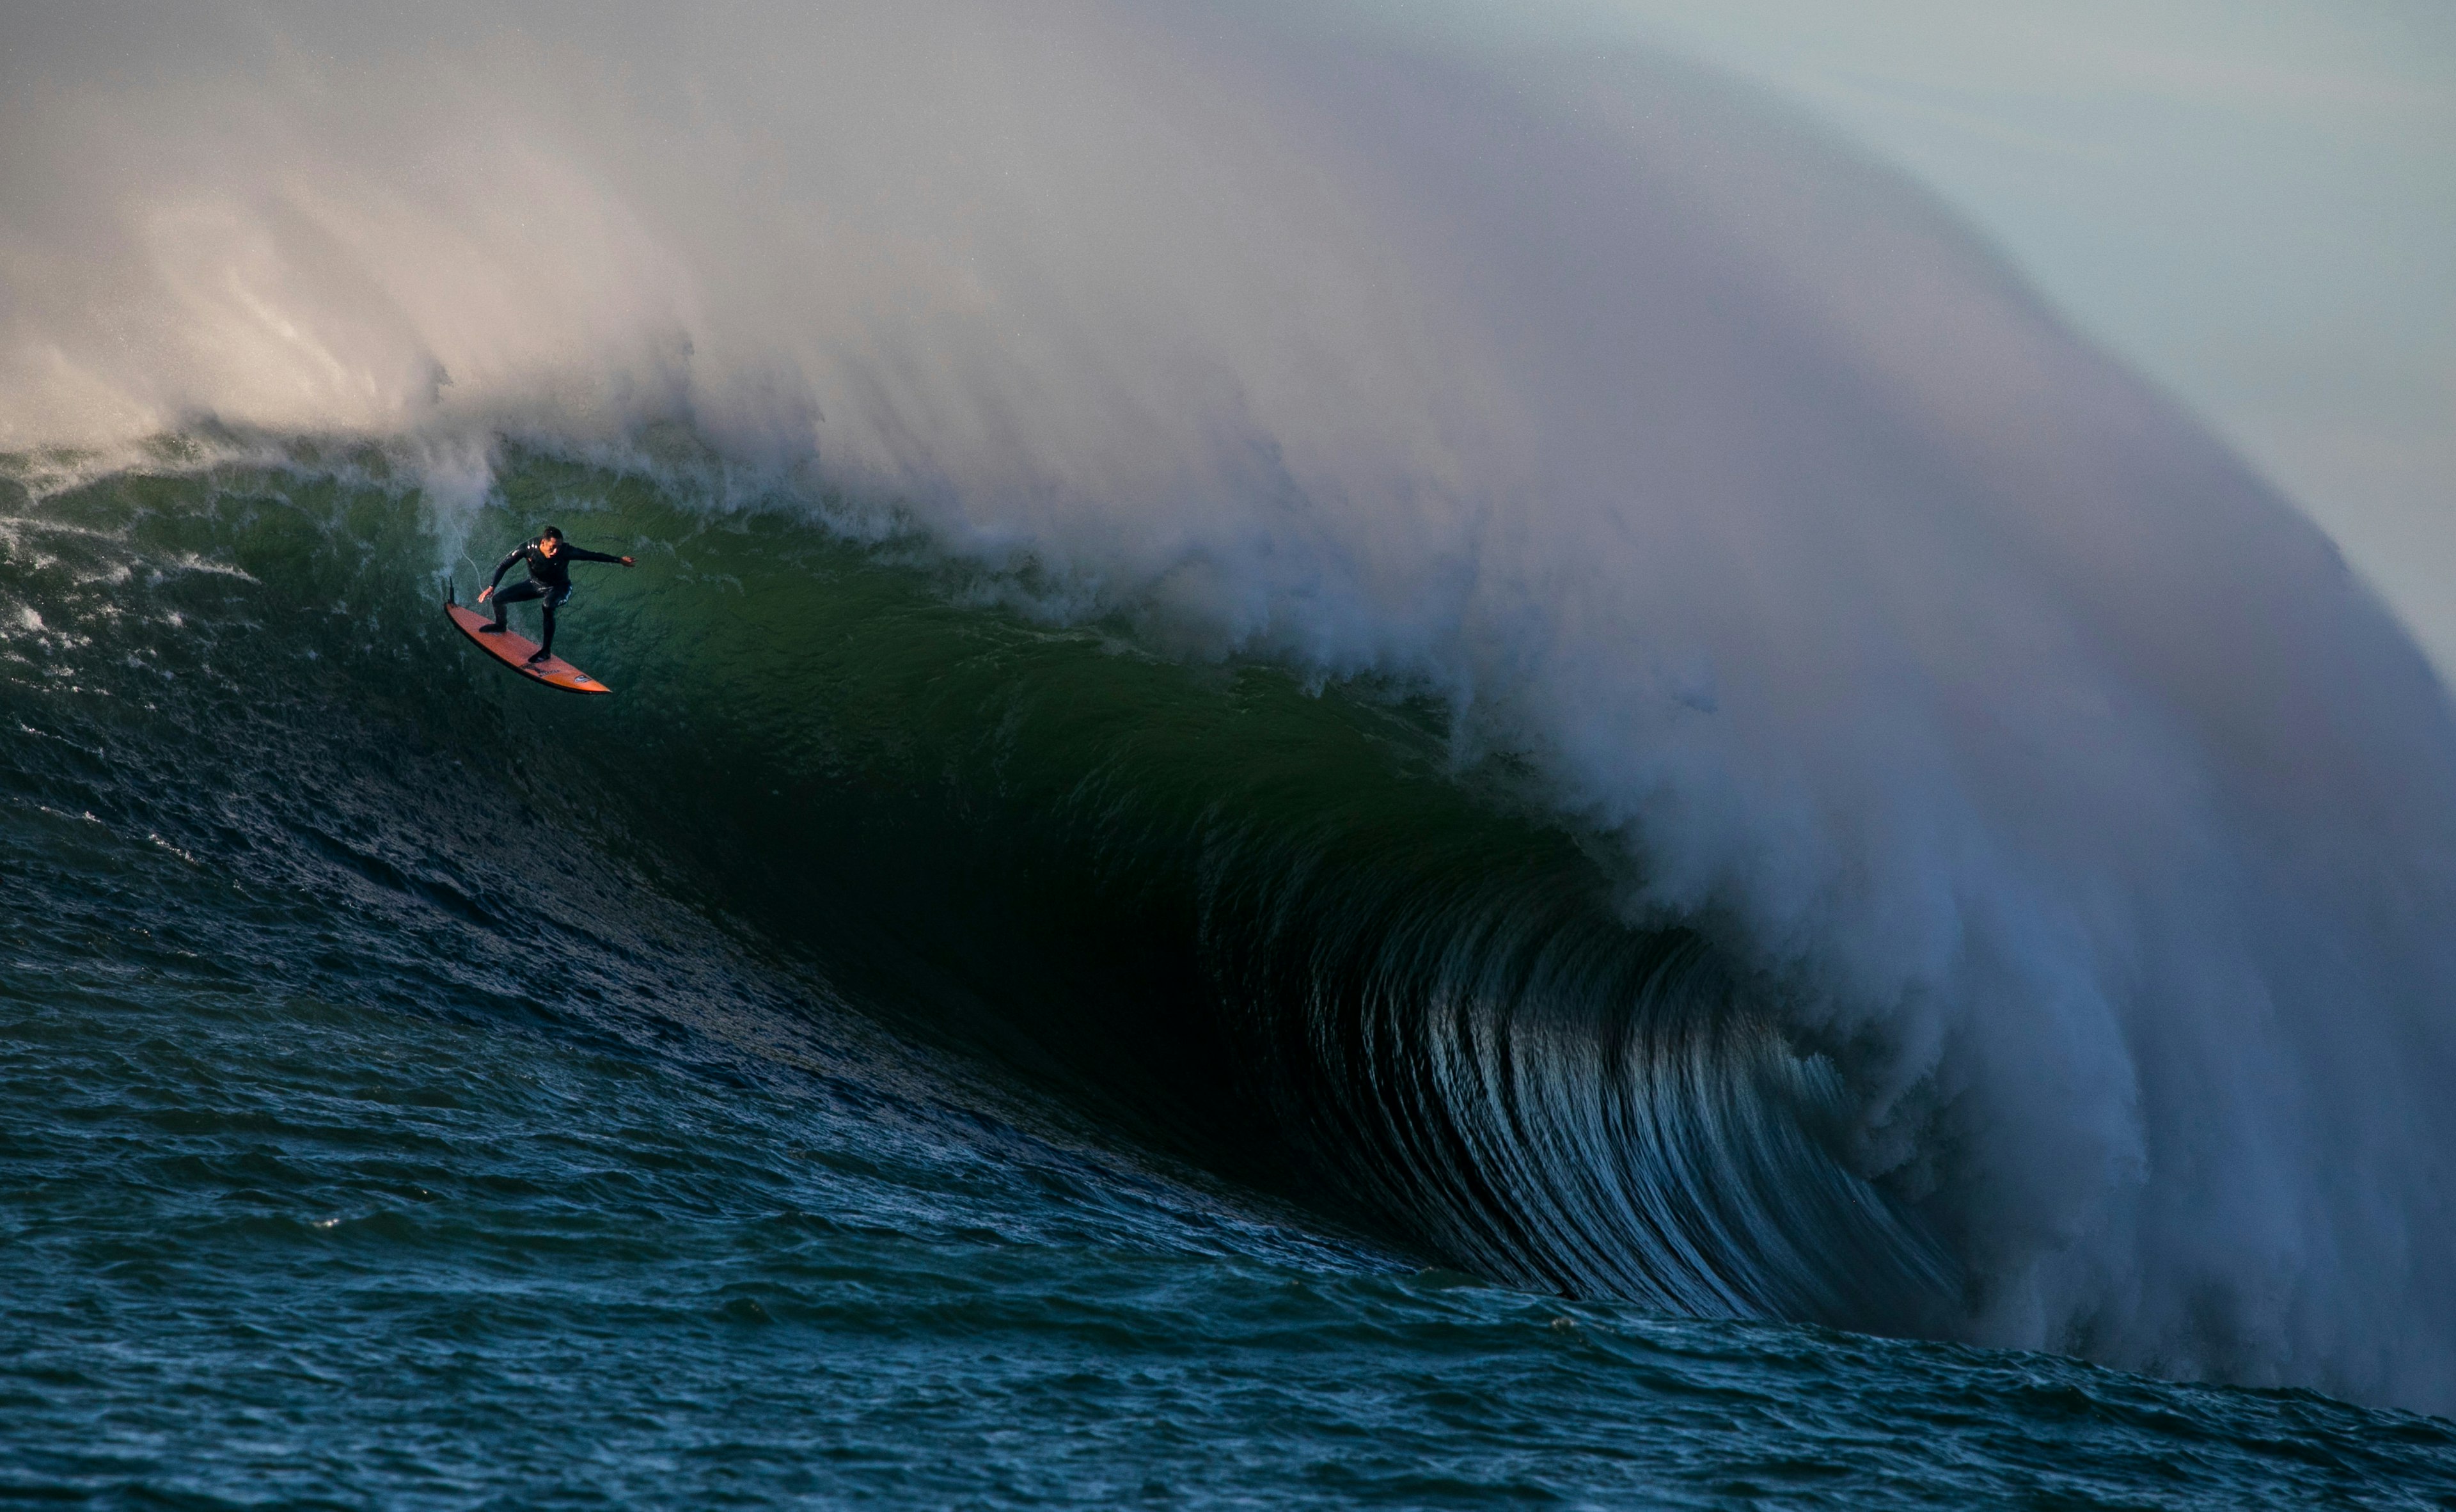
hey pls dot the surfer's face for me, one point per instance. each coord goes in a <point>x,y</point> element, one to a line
<point>549,546</point>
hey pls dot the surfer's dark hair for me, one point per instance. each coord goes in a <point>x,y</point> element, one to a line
<point>554,531</point>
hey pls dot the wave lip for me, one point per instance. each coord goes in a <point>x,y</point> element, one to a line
<point>1546,1096</point>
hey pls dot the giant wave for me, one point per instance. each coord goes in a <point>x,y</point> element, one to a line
<point>1497,632</point>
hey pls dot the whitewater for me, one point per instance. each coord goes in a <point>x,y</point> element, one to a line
<point>1359,756</point>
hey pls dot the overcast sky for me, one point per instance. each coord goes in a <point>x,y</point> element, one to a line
<point>2253,201</point>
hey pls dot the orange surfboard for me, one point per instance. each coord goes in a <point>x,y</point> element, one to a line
<point>514,650</point>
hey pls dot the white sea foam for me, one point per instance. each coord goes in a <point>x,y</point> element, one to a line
<point>2056,771</point>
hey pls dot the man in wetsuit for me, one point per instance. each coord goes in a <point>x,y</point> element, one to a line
<point>549,562</point>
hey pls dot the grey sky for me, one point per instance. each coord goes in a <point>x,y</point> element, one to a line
<point>2254,203</point>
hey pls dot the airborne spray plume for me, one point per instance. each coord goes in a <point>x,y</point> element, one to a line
<point>2031,760</point>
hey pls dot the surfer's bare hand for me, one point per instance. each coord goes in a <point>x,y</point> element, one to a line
<point>483,594</point>
<point>628,563</point>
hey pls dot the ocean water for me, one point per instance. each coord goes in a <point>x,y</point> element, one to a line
<point>902,1050</point>
<point>1361,753</point>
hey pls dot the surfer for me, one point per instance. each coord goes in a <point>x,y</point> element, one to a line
<point>549,562</point>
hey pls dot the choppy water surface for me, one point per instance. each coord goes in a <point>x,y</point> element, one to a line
<point>897,1052</point>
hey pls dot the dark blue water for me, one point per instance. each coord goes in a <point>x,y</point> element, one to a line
<point>895,1053</point>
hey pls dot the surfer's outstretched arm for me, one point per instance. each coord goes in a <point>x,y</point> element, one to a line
<point>581,554</point>
<point>502,568</point>
<point>520,590</point>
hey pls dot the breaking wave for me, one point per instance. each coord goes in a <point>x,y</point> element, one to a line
<point>1482,631</point>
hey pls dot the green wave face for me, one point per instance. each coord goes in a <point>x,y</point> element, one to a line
<point>1285,932</point>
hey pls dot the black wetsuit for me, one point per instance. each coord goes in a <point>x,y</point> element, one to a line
<point>549,578</point>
